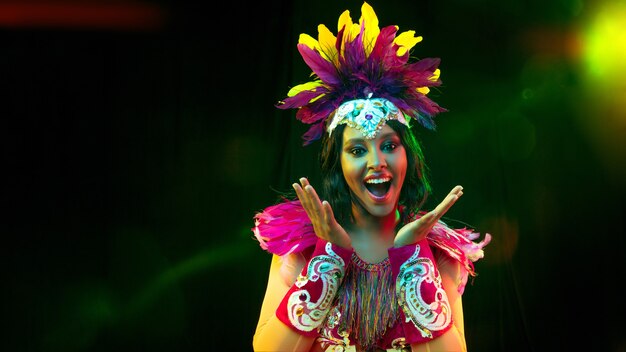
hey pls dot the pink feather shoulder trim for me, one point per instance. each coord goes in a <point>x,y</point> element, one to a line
<point>285,228</point>
<point>459,244</point>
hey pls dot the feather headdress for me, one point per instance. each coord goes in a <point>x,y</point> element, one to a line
<point>362,61</point>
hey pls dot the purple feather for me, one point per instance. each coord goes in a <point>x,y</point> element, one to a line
<point>354,53</point>
<point>385,49</point>
<point>325,70</point>
<point>309,114</point>
<point>313,133</point>
<point>427,64</point>
<point>300,99</point>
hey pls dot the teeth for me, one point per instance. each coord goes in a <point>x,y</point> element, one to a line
<point>378,180</point>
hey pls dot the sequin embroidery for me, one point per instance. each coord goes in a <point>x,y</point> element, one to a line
<point>304,314</point>
<point>426,317</point>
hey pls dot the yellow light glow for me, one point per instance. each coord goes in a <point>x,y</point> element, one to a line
<point>602,105</point>
<point>605,44</point>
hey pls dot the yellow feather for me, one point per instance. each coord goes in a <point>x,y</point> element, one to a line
<point>327,41</point>
<point>304,86</point>
<point>406,41</point>
<point>308,41</point>
<point>371,27</point>
<point>344,20</point>
<point>355,29</point>
<point>436,75</point>
<point>433,78</point>
<point>423,90</point>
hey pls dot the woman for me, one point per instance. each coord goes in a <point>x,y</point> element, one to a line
<point>361,268</point>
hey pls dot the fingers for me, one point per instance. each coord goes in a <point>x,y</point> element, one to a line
<point>300,193</point>
<point>458,190</point>
<point>301,190</point>
<point>304,182</point>
<point>447,203</point>
<point>311,202</point>
<point>309,198</point>
<point>328,212</point>
<point>311,195</point>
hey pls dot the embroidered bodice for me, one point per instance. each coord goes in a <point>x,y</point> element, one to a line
<point>370,304</point>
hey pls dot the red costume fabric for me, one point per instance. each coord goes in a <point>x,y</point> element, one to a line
<point>312,307</point>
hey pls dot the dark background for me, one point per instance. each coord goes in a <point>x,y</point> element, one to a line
<point>139,139</point>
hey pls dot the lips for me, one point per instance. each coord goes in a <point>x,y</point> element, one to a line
<point>378,186</point>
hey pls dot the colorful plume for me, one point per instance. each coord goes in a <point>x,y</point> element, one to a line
<point>362,60</point>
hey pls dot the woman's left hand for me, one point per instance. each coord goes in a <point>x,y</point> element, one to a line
<point>417,230</point>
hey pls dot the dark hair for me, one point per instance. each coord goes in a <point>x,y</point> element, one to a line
<point>415,189</point>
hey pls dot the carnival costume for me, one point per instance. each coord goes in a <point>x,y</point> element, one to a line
<point>363,78</point>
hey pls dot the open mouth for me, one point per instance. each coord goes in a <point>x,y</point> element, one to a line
<point>378,187</point>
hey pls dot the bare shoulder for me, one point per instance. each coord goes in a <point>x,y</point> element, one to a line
<point>447,266</point>
<point>290,266</point>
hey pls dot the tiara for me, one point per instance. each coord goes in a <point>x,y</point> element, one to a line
<point>362,74</point>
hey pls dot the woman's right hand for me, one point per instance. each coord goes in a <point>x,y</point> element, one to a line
<point>321,214</point>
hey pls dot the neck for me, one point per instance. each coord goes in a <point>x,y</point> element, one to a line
<point>383,225</point>
<point>372,235</point>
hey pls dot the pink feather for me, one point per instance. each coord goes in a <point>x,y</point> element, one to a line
<point>284,228</point>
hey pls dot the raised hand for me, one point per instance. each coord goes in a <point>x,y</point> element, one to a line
<point>417,230</point>
<point>321,215</point>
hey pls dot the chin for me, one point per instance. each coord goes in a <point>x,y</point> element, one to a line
<point>380,210</point>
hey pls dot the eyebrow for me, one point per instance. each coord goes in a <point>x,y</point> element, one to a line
<point>361,139</point>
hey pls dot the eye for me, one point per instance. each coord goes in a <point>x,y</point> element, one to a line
<point>357,151</point>
<point>388,147</point>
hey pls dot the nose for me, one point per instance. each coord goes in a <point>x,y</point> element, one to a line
<point>376,160</point>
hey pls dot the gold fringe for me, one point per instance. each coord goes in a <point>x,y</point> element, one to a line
<point>368,301</point>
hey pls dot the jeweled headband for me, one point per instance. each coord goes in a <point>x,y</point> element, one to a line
<point>363,78</point>
<point>367,115</point>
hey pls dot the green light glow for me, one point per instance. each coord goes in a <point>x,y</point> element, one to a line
<point>205,260</point>
<point>93,307</point>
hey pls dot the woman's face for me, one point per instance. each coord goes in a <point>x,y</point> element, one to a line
<point>374,169</point>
